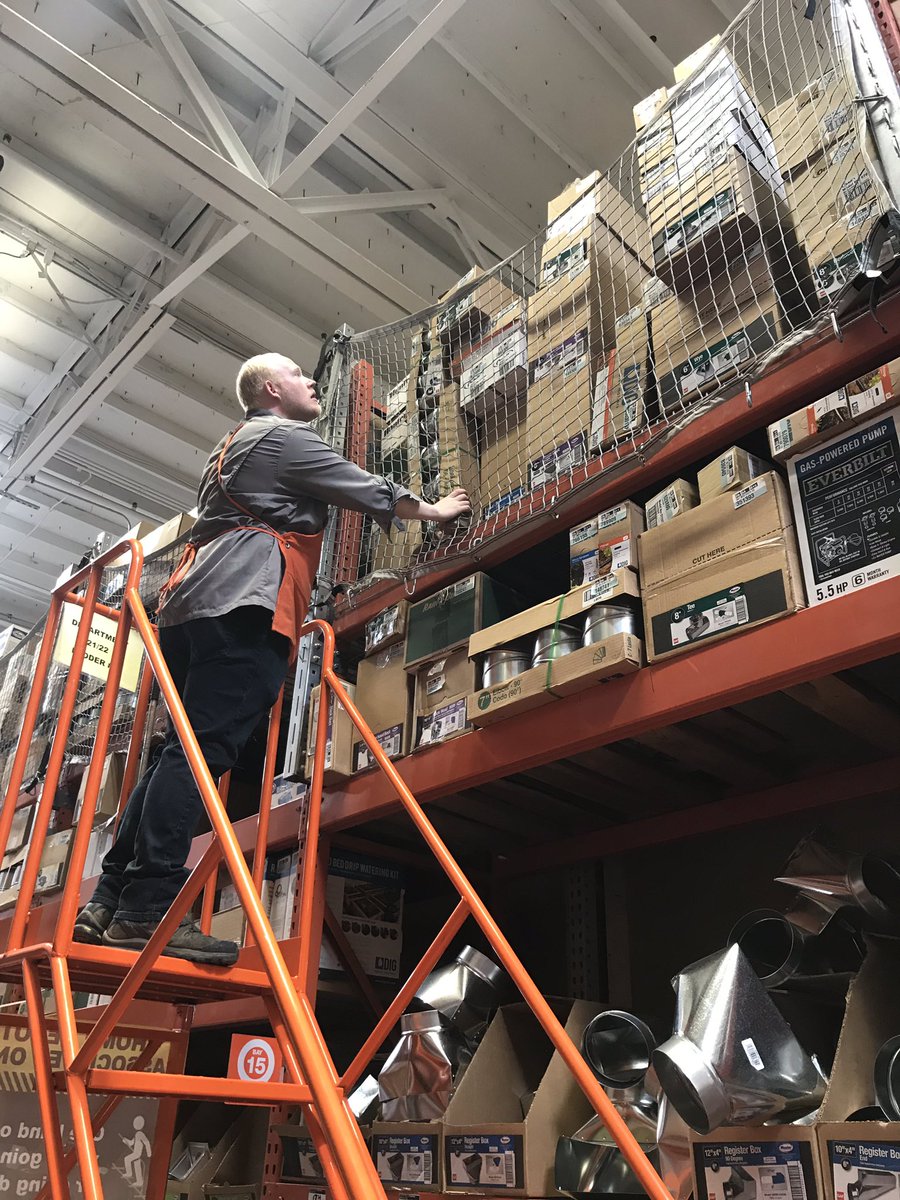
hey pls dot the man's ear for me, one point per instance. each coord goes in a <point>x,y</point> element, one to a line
<point>271,390</point>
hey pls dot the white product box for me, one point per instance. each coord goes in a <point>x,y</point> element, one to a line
<point>846,499</point>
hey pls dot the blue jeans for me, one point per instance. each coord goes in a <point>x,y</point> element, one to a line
<point>228,671</point>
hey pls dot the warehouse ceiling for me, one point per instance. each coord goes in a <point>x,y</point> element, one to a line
<point>183,185</point>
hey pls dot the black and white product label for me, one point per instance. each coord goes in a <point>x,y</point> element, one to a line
<point>763,1170</point>
<point>846,501</point>
<point>560,461</point>
<point>442,723</point>
<point>391,742</point>
<point>477,1161</point>
<point>405,1158</point>
<point>864,1168</point>
<point>720,612</point>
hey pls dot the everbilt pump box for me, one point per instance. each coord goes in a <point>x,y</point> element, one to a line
<point>846,497</point>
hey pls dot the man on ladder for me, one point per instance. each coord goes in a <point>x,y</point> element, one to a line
<point>229,620</point>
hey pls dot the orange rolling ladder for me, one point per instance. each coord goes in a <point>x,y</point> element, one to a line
<point>39,948</point>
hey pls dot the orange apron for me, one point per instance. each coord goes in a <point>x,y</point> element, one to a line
<point>300,554</point>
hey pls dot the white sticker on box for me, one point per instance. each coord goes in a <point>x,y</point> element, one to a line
<point>444,722</point>
<point>435,683</point>
<point>612,516</point>
<point>599,590</point>
<point>750,492</point>
<point>782,436</point>
<point>573,218</point>
<point>871,398</point>
<point>727,469</point>
<point>753,1056</point>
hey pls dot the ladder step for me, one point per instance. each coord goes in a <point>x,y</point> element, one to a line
<point>193,1087</point>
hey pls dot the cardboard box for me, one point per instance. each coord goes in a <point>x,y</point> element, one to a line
<point>805,124</point>
<point>446,620</point>
<point>604,205</point>
<point>10,638</point>
<point>695,60</point>
<point>500,439</point>
<point>560,460</point>
<point>563,608</point>
<point>703,361</point>
<point>457,462</point>
<point>500,372</point>
<point>559,406</point>
<point>229,923</point>
<point>442,686</point>
<point>340,737</point>
<point>382,695</point>
<point>111,781</point>
<point>54,862</point>
<point>605,543</point>
<point>488,1143</point>
<point>484,297</point>
<point>846,498</point>
<point>776,1160</point>
<point>279,891</point>
<point>671,502</point>
<point>300,1162</point>
<point>832,188</point>
<point>367,896</point>
<point>721,568</point>
<point>646,110</point>
<point>409,1154</point>
<point>622,387</point>
<point>703,222</point>
<point>733,469</point>
<point>388,627</point>
<point>575,672</point>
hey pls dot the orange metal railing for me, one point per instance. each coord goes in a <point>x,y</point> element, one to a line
<point>314,1082</point>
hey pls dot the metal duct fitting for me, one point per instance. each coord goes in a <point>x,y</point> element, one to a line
<point>617,1047</point>
<point>870,1185</point>
<point>464,991</point>
<point>673,1144</point>
<point>785,955</point>
<point>416,1081</point>
<point>733,1059</point>
<point>837,879</point>
<point>584,1168</point>
<point>887,1078</point>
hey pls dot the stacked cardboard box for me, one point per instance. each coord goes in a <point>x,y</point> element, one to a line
<point>502,459</point>
<point>731,470</point>
<point>719,569</point>
<point>575,672</point>
<point>849,405</point>
<point>382,696</point>
<point>623,386</point>
<point>605,543</point>
<point>673,501</point>
<point>470,307</point>
<point>436,652</point>
<point>341,733</point>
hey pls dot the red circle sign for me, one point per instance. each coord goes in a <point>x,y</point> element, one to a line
<point>256,1061</point>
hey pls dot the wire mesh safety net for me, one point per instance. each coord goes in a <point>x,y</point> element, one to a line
<point>721,238</point>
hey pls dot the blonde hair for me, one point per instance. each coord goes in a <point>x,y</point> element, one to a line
<point>253,376</point>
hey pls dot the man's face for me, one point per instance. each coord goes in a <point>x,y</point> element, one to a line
<point>296,393</point>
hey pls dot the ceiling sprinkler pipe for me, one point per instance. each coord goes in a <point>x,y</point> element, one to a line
<point>617,1046</point>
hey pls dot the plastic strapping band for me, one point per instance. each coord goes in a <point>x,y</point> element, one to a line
<point>559,609</point>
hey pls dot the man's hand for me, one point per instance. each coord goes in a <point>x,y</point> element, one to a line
<point>456,504</point>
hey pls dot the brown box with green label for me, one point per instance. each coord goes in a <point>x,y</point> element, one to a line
<point>721,568</point>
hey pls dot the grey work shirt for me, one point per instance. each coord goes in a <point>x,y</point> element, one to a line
<point>287,476</point>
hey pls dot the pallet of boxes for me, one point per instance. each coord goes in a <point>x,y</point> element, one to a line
<point>719,557</point>
<point>595,264</point>
<point>589,634</point>
<point>723,240</point>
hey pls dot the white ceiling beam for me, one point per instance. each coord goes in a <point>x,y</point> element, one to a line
<point>345,15</point>
<point>516,105</point>
<point>163,36</point>
<point>137,125</point>
<point>35,362</point>
<point>639,38</point>
<point>255,50</point>
<point>585,29</point>
<point>37,533</point>
<point>148,328</point>
<point>156,421</point>
<point>182,385</point>
<point>136,476</point>
<point>47,313</point>
<point>465,238</point>
<point>342,120</point>
<point>282,122</point>
<point>79,188</point>
<point>368,202</point>
<point>353,38</point>
<point>11,400</point>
